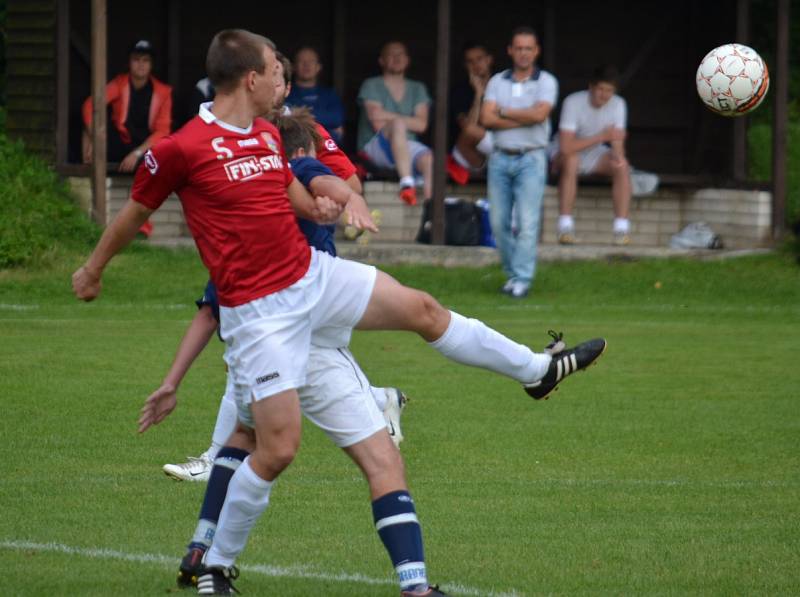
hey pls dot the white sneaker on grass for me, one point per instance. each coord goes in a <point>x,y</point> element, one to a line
<point>196,469</point>
<point>395,403</point>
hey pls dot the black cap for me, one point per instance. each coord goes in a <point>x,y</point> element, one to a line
<point>142,47</point>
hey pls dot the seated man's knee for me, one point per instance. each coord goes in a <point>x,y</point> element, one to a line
<point>396,127</point>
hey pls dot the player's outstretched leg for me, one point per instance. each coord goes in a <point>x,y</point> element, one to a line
<point>566,361</point>
<point>393,306</point>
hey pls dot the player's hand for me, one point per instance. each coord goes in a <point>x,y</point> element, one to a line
<point>86,284</point>
<point>326,210</point>
<point>129,163</point>
<point>357,214</point>
<point>157,406</point>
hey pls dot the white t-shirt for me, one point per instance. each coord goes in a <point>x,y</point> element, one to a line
<point>578,115</point>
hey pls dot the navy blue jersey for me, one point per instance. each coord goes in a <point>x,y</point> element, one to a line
<point>318,236</point>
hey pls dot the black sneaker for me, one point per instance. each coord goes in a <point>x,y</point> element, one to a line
<point>216,580</point>
<point>191,566</point>
<point>431,592</point>
<point>564,363</point>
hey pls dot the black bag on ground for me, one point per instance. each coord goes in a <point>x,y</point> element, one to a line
<point>462,223</point>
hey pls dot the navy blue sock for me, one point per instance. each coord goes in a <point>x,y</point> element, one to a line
<point>398,527</point>
<point>225,464</point>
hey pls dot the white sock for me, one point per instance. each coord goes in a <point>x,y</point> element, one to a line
<point>247,498</point>
<point>622,225</point>
<point>406,181</point>
<point>459,158</point>
<point>472,342</point>
<point>226,423</point>
<point>379,395</point>
<point>566,223</point>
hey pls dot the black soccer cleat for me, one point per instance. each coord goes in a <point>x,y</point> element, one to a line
<point>191,566</point>
<point>217,580</point>
<point>433,591</point>
<point>565,363</point>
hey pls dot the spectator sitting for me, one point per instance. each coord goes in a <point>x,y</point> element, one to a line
<point>141,114</point>
<point>394,111</point>
<point>591,140</point>
<point>306,91</point>
<point>472,142</point>
<point>141,111</point>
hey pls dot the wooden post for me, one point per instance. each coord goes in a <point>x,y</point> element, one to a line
<point>441,120</point>
<point>780,119</point>
<point>339,47</point>
<point>62,82</point>
<point>99,132</point>
<point>739,158</point>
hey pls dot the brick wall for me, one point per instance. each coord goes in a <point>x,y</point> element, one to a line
<point>741,217</point>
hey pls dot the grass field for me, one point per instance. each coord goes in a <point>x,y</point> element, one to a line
<point>671,468</point>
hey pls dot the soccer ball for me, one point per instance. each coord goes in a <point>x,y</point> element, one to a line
<point>732,80</point>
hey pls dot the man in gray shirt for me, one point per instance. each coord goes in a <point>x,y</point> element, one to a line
<point>517,107</point>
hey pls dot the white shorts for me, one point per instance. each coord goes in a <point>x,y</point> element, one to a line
<point>267,341</point>
<point>588,158</point>
<point>379,151</point>
<point>337,398</point>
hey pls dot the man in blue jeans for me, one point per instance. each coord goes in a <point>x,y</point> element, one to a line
<point>517,107</point>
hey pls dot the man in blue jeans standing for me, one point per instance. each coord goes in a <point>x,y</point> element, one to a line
<point>517,106</point>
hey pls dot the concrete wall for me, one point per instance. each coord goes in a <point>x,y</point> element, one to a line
<point>741,217</point>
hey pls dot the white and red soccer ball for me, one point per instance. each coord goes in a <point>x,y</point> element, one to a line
<point>732,80</point>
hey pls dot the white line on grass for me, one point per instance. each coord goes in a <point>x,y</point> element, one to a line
<point>273,571</point>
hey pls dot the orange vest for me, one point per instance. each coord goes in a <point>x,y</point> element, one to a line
<point>118,94</point>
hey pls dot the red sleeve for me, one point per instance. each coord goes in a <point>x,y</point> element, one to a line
<point>334,158</point>
<point>162,171</point>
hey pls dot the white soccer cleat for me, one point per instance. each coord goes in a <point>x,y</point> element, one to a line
<point>395,403</point>
<point>196,469</point>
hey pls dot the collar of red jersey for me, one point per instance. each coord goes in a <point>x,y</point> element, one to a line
<point>208,117</point>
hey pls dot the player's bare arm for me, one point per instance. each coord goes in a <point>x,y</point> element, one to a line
<point>321,209</point>
<point>164,400</point>
<point>86,281</point>
<point>338,190</point>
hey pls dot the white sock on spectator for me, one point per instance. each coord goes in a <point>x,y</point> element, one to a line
<point>226,423</point>
<point>406,181</point>
<point>472,342</point>
<point>622,225</point>
<point>459,158</point>
<point>247,498</point>
<point>566,223</point>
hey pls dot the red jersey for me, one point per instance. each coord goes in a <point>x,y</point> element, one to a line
<point>232,185</point>
<point>334,158</point>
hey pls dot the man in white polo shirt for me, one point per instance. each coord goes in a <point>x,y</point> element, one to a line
<point>517,107</point>
<point>591,140</point>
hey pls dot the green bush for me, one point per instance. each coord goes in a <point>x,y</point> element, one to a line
<point>759,147</point>
<point>38,216</point>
